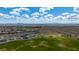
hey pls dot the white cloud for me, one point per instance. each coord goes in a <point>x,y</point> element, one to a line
<point>8,7</point>
<point>77,17</point>
<point>76,9</point>
<point>17,11</point>
<point>70,16</point>
<point>65,14</point>
<point>65,18</point>
<point>58,18</point>
<point>26,16</point>
<point>1,14</point>
<point>49,16</point>
<point>41,17</point>
<point>36,14</point>
<point>44,10</point>
<point>6,16</point>
<point>23,9</point>
<point>20,9</point>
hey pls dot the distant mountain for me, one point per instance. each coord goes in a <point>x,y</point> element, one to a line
<point>22,24</point>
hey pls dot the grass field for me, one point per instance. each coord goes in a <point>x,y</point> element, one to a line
<point>42,43</point>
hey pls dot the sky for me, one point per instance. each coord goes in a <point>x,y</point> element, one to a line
<point>39,15</point>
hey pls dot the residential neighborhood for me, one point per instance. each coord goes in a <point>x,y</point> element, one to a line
<point>11,33</point>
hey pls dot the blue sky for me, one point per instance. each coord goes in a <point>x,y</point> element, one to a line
<point>56,11</point>
<point>38,15</point>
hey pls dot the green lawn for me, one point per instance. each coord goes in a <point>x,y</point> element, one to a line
<point>42,44</point>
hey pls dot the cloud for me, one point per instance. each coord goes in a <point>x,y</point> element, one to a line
<point>37,17</point>
<point>65,18</point>
<point>16,11</point>
<point>44,10</point>
<point>6,16</point>
<point>76,9</point>
<point>58,18</point>
<point>1,14</point>
<point>36,14</point>
<point>70,16</point>
<point>7,7</point>
<point>50,16</point>
<point>25,16</point>
<point>40,17</point>
<point>65,14</point>
<point>73,16</point>
<point>20,9</point>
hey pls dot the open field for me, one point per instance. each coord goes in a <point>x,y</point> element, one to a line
<point>42,43</point>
